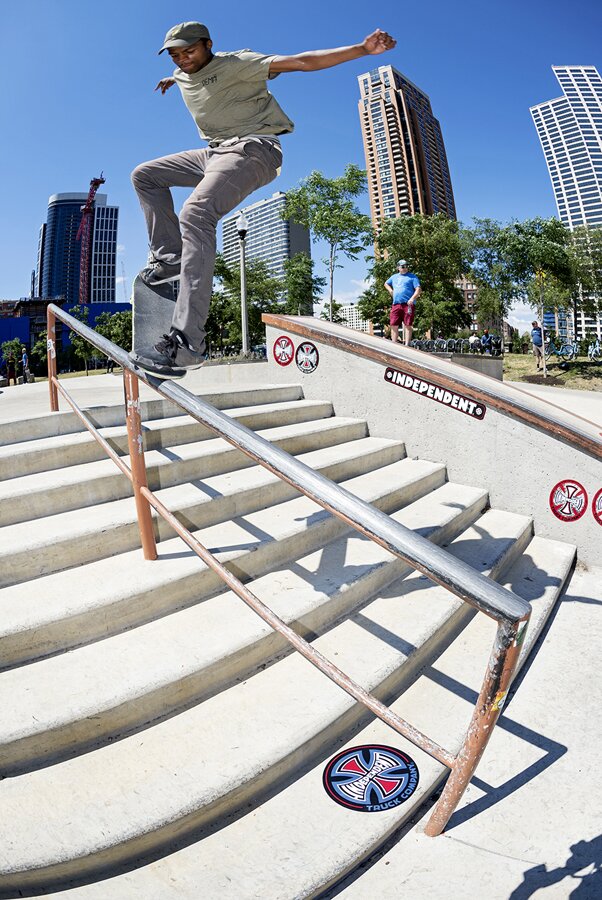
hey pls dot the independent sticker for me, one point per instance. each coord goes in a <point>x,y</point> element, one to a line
<point>283,350</point>
<point>370,778</point>
<point>307,357</point>
<point>568,500</point>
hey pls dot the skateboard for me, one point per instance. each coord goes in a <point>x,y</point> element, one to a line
<point>153,309</point>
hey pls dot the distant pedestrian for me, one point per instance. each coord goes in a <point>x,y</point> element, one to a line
<point>537,341</point>
<point>486,341</point>
<point>11,370</point>
<point>25,364</point>
<point>404,288</point>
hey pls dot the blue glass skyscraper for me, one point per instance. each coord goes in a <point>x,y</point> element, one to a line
<point>59,252</point>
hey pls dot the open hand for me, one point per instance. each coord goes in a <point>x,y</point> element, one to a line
<point>378,42</point>
<point>165,84</point>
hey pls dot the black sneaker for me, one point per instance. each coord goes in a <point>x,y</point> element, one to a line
<point>171,357</point>
<point>158,272</point>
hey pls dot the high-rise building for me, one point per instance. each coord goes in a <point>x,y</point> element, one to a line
<point>570,132</point>
<point>59,251</point>
<point>350,313</point>
<point>269,236</point>
<point>405,155</point>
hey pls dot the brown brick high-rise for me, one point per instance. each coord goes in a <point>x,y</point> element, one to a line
<point>405,155</point>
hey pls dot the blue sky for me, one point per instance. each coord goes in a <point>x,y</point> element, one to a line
<point>77,98</point>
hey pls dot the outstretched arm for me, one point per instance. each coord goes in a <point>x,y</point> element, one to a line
<point>377,42</point>
<point>165,84</point>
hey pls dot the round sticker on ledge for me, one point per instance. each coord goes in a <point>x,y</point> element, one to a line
<point>597,507</point>
<point>307,357</point>
<point>370,778</point>
<point>283,350</point>
<point>568,500</point>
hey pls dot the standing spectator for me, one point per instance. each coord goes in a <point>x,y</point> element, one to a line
<point>25,364</point>
<point>486,341</point>
<point>404,288</point>
<point>11,371</point>
<point>474,342</point>
<point>537,341</point>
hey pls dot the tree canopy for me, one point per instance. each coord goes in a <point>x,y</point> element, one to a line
<point>327,207</point>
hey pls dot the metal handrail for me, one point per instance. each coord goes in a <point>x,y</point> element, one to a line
<point>511,612</point>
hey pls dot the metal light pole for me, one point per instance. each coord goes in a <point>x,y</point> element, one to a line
<point>242,226</point>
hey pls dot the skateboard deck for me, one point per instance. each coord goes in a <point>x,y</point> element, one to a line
<point>153,311</point>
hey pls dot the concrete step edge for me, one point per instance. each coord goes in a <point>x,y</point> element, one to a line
<point>28,550</point>
<point>298,843</point>
<point>85,707</point>
<point>47,454</point>
<point>106,596</point>
<point>66,422</point>
<point>87,484</point>
<point>199,793</point>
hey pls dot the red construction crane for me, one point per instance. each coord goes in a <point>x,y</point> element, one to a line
<point>84,234</point>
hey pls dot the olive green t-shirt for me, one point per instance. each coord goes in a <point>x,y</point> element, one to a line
<point>228,97</point>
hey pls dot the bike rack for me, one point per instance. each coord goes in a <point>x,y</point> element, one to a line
<point>511,612</point>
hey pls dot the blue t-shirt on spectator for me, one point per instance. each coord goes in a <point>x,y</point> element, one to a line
<point>536,336</point>
<point>403,286</point>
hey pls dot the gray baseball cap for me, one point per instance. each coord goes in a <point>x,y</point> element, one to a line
<point>185,35</point>
<point>402,262</point>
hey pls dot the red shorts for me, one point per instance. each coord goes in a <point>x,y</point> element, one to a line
<point>402,313</point>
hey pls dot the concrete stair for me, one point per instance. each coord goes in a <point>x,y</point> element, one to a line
<point>158,739</point>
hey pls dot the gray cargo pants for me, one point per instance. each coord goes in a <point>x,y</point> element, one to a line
<point>221,177</point>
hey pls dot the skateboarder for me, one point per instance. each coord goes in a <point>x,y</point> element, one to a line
<point>226,95</point>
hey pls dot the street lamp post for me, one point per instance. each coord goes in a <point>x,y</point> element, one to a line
<point>242,226</point>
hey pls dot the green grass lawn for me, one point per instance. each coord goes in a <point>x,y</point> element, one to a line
<point>580,374</point>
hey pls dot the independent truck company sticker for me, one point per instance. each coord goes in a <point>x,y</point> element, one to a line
<point>568,500</point>
<point>370,778</point>
<point>434,392</point>
<point>307,357</point>
<point>283,350</point>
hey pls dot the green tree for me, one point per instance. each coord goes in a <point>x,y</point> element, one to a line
<point>485,247</point>
<point>116,327</point>
<point>39,351</point>
<point>264,293</point>
<point>303,288</point>
<point>326,206</point>
<point>436,251</point>
<point>374,305</point>
<point>585,255</point>
<point>81,348</point>
<point>538,245</point>
<point>332,313</point>
<point>12,348</point>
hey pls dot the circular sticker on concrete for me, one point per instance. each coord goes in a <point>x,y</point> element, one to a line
<point>568,500</point>
<point>370,778</point>
<point>307,357</point>
<point>597,507</point>
<point>283,350</point>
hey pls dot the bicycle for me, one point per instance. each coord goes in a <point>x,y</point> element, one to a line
<point>594,351</point>
<point>565,351</point>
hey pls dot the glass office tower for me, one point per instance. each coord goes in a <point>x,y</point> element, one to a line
<point>570,132</point>
<point>59,252</point>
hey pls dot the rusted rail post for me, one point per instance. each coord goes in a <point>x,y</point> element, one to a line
<point>51,356</point>
<point>137,464</point>
<point>500,670</point>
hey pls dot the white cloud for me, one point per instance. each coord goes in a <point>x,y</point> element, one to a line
<point>520,316</point>
<point>120,248</point>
